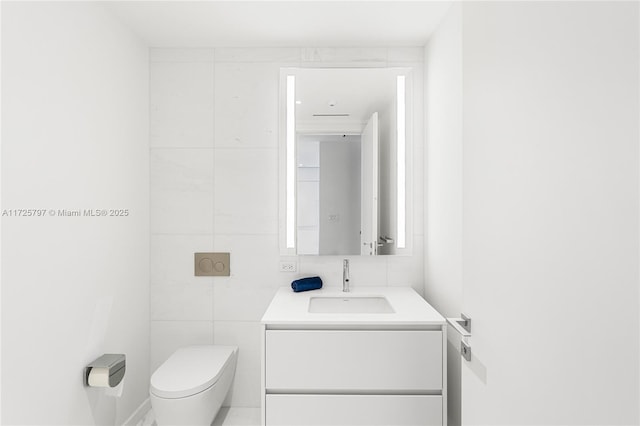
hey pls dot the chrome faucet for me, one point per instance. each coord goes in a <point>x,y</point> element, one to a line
<point>345,275</point>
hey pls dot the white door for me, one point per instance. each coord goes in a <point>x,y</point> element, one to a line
<point>369,191</point>
<point>550,217</point>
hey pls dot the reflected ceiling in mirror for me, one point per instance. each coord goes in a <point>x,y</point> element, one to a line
<point>341,99</point>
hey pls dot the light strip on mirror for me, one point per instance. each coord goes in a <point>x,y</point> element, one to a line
<point>291,172</point>
<point>401,152</point>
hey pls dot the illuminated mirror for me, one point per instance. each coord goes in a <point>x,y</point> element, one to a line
<point>344,151</point>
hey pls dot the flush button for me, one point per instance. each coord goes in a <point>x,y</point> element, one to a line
<point>212,264</point>
<point>205,265</point>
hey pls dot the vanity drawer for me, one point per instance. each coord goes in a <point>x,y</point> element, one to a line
<point>354,360</point>
<point>365,410</point>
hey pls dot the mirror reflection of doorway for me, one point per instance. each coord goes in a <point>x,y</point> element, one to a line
<point>328,194</point>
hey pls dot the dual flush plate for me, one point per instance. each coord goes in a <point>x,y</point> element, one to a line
<point>212,264</point>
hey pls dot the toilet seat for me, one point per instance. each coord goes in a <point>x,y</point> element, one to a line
<point>190,370</point>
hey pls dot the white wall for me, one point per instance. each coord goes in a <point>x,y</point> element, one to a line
<point>549,211</point>
<point>74,136</point>
<point>443,198</point>
<point>214,186</point>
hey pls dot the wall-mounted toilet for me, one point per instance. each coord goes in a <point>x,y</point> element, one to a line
<point>189,388</point>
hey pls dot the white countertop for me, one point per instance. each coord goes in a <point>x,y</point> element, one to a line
<point>290,308</point>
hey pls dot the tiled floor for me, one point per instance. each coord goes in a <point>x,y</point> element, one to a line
<point>228,416</point>
<point>237,416</point>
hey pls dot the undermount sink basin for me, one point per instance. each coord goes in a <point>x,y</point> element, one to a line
<point>350,305</point>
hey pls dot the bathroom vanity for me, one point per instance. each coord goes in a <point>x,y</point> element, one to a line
<point>373,356</point>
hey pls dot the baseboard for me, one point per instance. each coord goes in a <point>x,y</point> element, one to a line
<point>139,414</point>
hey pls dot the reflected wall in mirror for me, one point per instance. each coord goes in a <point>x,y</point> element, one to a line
<point>344,145</point>
<point>328,213</point>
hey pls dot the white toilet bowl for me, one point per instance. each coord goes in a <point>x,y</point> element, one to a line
<point>189,388</point>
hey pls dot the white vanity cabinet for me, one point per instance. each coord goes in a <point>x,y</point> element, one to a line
<point>353,360</point>
<point>353,369</point>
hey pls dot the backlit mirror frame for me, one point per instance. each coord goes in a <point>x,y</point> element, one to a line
<point>287,162</point>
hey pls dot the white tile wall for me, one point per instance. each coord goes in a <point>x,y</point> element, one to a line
<point>275,55</point>
<point>359,56</point>
<point>167,336</point>
<point>245,295</point>
<point>214,186</point>
<point>417,166</point>
<point>181,104</point>
<point>181,191</point>
<point>245,391</point>
<point>182,301</point>
<point>172,55</point>
<point>246,116</point>
<point>246,191</point>
<point>363,270</point>
<point>405,54</point>
<point>408,270</point>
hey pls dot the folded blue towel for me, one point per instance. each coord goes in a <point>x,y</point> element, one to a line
<point>304,284</point>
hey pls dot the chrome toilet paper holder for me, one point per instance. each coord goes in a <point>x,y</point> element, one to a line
<point>114,364</point>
